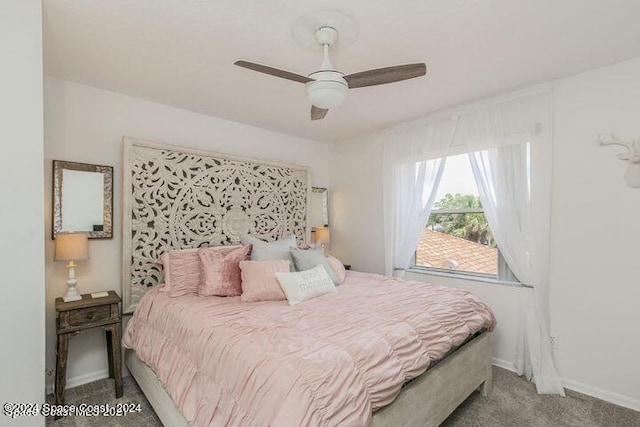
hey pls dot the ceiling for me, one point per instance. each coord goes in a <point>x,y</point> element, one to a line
<point>180,52</point>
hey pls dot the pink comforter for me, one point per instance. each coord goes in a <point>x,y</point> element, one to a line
<point>328,361</point>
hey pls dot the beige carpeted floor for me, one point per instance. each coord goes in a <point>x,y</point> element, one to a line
<point>512,403</point>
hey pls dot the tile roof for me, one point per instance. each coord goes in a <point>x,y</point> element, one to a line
<point>438,249</point>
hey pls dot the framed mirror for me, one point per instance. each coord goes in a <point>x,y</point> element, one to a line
<point>319,208</point>
<point>82,199</point>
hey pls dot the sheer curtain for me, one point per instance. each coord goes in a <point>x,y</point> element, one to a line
<point>509,147</point>
<point>414,158</point>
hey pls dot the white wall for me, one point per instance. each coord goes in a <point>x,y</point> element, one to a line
<point>595,281</point>
<point>21,209</point>
<point>86,124</point>
<point>595,293</point>
<point>355,203</point>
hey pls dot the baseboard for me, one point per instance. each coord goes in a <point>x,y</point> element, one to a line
<point>80,379</point>
<point>504,364</point>
<point>615,398</point>
<point>607,396</point>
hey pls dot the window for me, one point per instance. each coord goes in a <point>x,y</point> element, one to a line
<point>457,237</point>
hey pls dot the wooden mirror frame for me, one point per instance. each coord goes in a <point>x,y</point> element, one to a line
<point>58,167</point>
<point>325,203</point>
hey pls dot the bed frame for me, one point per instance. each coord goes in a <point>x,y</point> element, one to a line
<point>424,402</point>
<point>178,198</point>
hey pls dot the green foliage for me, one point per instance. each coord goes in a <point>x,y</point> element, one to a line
<point>469,226</point>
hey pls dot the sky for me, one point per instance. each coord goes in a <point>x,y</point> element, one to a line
<point>457,177</point>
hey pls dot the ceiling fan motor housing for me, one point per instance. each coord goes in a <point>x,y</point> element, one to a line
<point>328,90</point>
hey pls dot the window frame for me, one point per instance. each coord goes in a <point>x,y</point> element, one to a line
<point>504,275</point>
<point>451,274</point>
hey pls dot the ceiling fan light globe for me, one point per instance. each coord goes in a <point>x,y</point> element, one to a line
<point>326,94</point>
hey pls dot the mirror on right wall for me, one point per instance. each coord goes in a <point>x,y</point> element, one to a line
<point>319,208</point>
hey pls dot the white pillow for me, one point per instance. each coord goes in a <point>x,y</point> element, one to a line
<point>305,285</point>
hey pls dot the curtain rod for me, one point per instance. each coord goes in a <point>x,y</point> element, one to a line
<point>441,115</point>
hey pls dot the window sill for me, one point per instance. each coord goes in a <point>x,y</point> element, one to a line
<point>470,277</point>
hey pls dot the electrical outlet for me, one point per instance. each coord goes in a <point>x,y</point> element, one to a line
<point>554,340</point>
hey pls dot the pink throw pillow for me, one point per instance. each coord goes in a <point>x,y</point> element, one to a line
<point>259,281</point>
<point>181,271</point>
<point>220,270</point>
<point>338,268</point>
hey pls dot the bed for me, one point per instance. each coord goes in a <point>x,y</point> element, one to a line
<point>379,352</point>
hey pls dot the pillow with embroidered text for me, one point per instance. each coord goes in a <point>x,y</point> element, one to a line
<point>306,259</point>
<point>303,285</point>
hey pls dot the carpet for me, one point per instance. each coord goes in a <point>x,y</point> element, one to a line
<point>512,403</point>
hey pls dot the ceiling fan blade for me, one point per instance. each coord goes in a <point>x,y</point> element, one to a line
<point>318,113</point>
<point>385,75</point>
<point>273,71</point>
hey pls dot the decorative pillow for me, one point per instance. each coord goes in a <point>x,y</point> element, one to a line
<point>304,285</point>
<point>221,270</point>
<point>270,251</point>
<point>338,268</point>
<point>306,259</point>
<point>259,281</point>
<point>181,271</point>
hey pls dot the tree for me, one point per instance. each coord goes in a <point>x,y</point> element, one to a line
<point>469,226</point>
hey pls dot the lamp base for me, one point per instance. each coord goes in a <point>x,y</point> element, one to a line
<point>72,294</point>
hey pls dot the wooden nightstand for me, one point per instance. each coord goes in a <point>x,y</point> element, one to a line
<point>87,313</point>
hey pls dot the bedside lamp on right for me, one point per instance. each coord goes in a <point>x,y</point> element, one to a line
<point>71,247</point>
<point>322,238</point>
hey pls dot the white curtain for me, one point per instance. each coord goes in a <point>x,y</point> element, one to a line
<point>414,158</point>
<point>509,146</point>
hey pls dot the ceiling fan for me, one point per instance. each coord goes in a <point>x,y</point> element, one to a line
<point>327,87</point>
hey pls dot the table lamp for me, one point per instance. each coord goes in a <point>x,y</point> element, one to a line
<point>71,247</point>
<point>322,238</point>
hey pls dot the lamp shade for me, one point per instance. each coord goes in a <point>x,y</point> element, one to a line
<point>323,236</point>
<point>71,247</point>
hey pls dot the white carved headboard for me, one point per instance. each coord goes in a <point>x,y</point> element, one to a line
<point>179,198</point>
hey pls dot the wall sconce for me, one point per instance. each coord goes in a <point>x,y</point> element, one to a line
<point>632,175</point>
